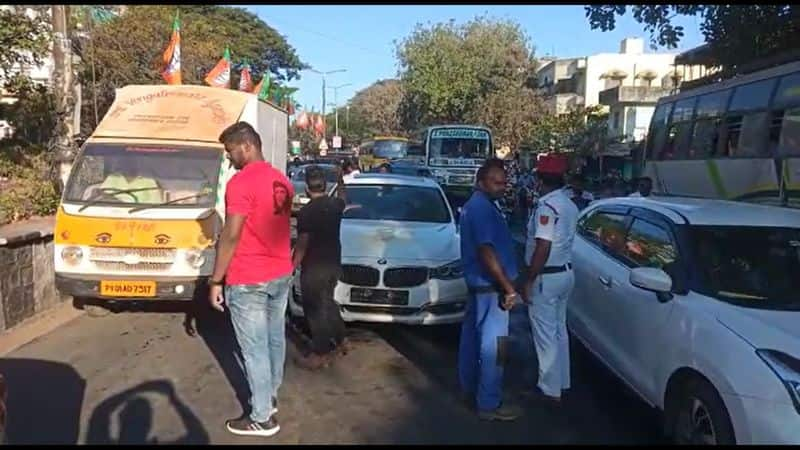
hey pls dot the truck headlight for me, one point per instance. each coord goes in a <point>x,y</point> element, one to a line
<point>195,257</point>
<point>787,368</point>
<point>72,255</point>
<point>450,271</point>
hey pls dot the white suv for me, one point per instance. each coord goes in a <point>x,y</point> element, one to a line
<point>695,305</point>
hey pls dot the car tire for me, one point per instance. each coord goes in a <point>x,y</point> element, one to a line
<point>699,416</point>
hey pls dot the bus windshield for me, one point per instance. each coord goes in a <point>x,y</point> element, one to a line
<point>145,175</point>
<point>391,149</point>
<point>459,146</point>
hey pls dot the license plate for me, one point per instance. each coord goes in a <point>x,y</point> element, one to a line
<point>379,296</point>
<point>128,288</point>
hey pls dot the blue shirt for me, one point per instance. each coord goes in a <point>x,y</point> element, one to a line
<point>482,223</point>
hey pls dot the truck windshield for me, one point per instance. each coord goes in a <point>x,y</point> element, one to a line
<point>145,175</point>
<point>459,146</point>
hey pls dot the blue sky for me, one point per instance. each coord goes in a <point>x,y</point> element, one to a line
<point>360,38</point>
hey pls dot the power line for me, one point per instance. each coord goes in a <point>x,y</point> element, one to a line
<point>301,28</point>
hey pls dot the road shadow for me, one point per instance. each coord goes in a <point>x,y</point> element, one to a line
<point>44,401</point>
<point>199,319</point>
<point>135,417</point>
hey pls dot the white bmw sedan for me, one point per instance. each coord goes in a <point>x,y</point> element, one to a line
<point>695,305</point>
<point>401,258</point>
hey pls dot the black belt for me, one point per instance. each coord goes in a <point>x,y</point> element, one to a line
<point>556,269</point>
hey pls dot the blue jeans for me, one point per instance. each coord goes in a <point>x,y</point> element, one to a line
<point>258,313</point>
<point>482,349</point>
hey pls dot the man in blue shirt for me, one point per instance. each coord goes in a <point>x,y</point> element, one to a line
<point>490,266</point>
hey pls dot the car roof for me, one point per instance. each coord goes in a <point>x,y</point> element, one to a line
<point>705,211</point>
<point>391,178</point>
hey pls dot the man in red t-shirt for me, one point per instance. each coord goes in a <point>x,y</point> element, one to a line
<point>254,263</point>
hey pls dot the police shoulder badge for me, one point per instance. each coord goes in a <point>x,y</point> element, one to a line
<point>544,220</point>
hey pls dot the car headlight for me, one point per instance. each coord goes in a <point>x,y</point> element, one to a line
<point>787,368</point>
<point>72,255</point>
<point>195,257</point>
<point>450,271</point>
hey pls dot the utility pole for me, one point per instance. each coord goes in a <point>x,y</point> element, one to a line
<point>336,103</point>
<point>63,89</point>
<point>323,90</point>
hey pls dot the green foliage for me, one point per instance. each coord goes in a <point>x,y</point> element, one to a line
<point>581,130</point>
<point>25,174</point>
<point>128,49</point>
<point>24,40</point>
<point>737,34</point>
<point>449,71</point>
<point>32,114</point>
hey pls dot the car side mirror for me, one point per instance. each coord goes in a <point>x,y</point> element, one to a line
<point>652,279</point>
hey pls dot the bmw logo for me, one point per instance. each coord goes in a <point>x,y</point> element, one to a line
<point>382,261</point>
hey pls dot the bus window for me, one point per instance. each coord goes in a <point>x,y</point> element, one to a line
<point>677,145</point>
<point>788,93</point>
<point>747,134</point>
<point>752,96</point>
<point>705,139</point>
<point>658,130</point>
<point>684,110</point>
<point>712,105</point>
<point>789,140</point>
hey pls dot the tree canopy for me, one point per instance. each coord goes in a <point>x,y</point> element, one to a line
<point>128,49</point>
<point>24,39</point>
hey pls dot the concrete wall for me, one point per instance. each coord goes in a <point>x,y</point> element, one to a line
<point>27,284</point>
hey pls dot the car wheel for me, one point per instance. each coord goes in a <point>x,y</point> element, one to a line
<point>699,416</point>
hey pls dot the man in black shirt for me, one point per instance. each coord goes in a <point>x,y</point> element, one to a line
<point>318,253</point>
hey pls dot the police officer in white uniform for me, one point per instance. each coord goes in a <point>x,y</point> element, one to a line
<point>549,279</point>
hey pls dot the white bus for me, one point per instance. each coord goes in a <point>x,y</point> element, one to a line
<point>738,139</point>
<point>453,154</point>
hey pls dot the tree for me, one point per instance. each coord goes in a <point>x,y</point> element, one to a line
<point>582,130</point>
<point>736,34</point>
<point>510,112</point>
<point>128,48</point>
<point>449,71</point>
<point>24,40</point>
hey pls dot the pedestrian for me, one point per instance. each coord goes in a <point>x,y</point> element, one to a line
<point>549,279</point>
<point>349,169</point>
<point>644,187</point>
<point>577,193</point>
<point>318,254</point>
<point>385,168</point>
<point>490,268</point>
<point>253,262</point>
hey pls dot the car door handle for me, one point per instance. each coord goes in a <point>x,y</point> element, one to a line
<point>606,281</point>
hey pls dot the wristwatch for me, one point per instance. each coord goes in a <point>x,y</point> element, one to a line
<point>211,282</point>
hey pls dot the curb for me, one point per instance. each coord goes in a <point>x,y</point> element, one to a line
<point>37,326</point>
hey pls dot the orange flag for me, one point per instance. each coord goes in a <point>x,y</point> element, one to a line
<point>172,55</point>
<point>246,81</point>
<point>220,75</point>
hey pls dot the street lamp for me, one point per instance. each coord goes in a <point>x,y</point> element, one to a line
<point>335,103</point>
<point>323,85</point>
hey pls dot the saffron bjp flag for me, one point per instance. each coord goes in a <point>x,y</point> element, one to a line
<point>172,55</point>
<point>245,80</point>
<point>262,88</point>
<point>302,121</point>
<point>220,75</point>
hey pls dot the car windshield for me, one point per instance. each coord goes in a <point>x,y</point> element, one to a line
<point>757,267</point>
<point>396,202</point>
<point>145,175</point>
<point>390,149</point>
<point>448,144</point>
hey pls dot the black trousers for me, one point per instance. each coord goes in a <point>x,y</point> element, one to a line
<point>321,312</point>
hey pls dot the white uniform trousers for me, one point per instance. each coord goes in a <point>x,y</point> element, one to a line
<point>548,316</point>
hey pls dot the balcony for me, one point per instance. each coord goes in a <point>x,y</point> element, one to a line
<point>633,95</point>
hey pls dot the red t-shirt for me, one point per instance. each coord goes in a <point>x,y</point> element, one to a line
<point>264,196</point>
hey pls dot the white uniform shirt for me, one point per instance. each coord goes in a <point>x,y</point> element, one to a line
<point>635,194</point>
<point>350,175</point>
<point>555,220</point>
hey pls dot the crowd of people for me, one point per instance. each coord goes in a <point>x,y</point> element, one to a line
<point>255,265</point>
